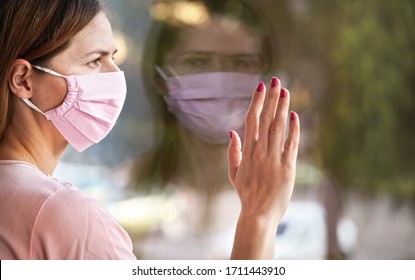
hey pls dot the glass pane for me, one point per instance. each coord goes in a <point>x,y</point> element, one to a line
<point>191,68</point>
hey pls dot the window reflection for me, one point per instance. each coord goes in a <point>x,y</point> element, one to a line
<point>348,66</point>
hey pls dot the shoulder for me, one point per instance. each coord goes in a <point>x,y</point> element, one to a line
<point>58,220</point>
<point>22,180</point>
<point>55,220</point>
<point>71,225</point>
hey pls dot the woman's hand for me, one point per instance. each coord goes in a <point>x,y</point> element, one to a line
<point>263,171</point>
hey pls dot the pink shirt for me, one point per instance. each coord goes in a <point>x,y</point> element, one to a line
<point>42,218</point>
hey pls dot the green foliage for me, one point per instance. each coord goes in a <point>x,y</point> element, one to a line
<point>368,131</point>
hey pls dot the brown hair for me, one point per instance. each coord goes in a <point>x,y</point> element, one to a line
<point>36,30</point>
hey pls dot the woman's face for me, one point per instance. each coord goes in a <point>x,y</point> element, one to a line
<point>211,105</point>
<point>91,50</point>
<point>223,45</point>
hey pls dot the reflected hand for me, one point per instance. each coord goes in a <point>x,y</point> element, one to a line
<point>263,171</point>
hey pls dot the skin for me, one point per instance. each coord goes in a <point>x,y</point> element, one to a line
<point>224,45</point>
<point>30,137</point>
<point>264,197</point>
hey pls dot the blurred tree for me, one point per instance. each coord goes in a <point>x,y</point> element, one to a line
<point>367,131</point>
<point>356,60</point>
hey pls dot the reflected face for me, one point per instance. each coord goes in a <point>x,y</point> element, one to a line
<point>224,45</point>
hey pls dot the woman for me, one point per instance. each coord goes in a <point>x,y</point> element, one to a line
<point>59,85</point>
<point>197,76</point>
<point>41,112</point>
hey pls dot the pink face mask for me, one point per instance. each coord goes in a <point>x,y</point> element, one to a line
<point>211,104</point>
<point>90,108</point>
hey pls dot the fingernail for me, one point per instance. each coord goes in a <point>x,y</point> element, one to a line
<point>274,82</point>
<point>260,87</point>
<point>283,93</point>
<point>230,134</point>
<point>292,116</point>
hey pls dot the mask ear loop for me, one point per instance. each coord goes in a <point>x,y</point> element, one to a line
<point>164,75</point>
<point>173,72</point>
<point>161,72</point>
<point>31,105</point>
<point>47,70</point>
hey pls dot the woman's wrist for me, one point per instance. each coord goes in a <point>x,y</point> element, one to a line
<point>259,221</point>
<point>254,237</point>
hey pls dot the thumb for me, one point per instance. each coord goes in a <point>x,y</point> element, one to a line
<point>234,155</point>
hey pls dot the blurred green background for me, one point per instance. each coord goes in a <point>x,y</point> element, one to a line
<point>350,68</point>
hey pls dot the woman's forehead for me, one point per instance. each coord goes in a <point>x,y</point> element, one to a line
<point>96,35</point>
<point>221,34</point>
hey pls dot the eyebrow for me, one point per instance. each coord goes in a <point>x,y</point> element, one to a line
<point>191,52</point>
<point>101,52</point>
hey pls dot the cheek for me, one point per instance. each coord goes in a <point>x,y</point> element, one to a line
<point>50,94</point>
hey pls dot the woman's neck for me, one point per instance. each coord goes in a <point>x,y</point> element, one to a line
<point>203,169</point>
<point>31,143</point>
<point>203,166</point>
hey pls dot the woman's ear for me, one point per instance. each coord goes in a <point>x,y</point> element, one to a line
<point>159,83</point>
<point>20,79</point>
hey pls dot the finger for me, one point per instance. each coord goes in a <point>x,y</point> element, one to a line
<point>289,156</point>
<point>268,111</point>
<point>278,127</point>
<point>252,118</point>
<point>234,155</point>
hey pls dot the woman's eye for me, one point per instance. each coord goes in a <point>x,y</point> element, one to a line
<point>241,63</point>
<point>245,64</point>
<point>95,62</point>
<point>196,62</point>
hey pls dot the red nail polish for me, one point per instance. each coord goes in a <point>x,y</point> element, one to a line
<point>292,116</point>
<point>260,87</point>
<point>230,134</point>
<point>283,93</point>
<point>274,82</point>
